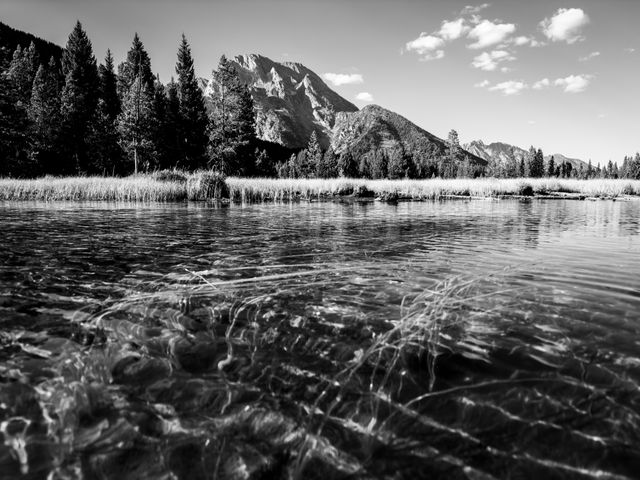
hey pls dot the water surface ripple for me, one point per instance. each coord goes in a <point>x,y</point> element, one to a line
<point>455,339</point>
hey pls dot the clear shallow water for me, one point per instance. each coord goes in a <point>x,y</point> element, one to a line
<point>481,339</point>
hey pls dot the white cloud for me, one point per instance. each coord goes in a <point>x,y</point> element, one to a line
<point>338,79</point>
<point>488,61</point>
<point>531,122</point>
<point>364,97</point>
<point>540,84</point>
<point>565,25</point>
<point>574,83</point>
<point>589,57</point>
<point>473,9</point>
<point>511,87</point>
<point>522,40</point>
<point>482,84</point>
<point>454,29</point>
<point>630,50</point>
<point>429,46</point>
<point>602,115</point>
<point>486,33</point>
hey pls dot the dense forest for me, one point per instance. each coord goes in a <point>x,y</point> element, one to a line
<point>63,114</point>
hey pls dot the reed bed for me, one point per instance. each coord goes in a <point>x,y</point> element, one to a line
<point>174,185</point>
<point>166,186</point>
<point>263,189</point>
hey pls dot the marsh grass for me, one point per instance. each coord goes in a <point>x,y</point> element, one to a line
<point>176,185</point>
<point>164,186</point>
<point>264,189</point>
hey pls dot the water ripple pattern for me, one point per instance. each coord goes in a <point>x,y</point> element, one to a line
<point>456,339</point>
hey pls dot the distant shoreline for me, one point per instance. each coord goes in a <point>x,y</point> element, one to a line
<point>176,186</point>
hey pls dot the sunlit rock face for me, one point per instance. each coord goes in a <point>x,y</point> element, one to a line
<point>291,101</point>
<point>376,128</point>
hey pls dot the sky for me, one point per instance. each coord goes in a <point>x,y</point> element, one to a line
<point>563,76</point>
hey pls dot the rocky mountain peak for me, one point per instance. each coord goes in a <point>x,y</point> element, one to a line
<point>291,100</point>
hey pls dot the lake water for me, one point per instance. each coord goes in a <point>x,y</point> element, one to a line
<point>456,339</point>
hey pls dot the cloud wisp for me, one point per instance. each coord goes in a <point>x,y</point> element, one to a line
<point>574,83</point>
<point>510,87</point>
<point>565,25</point>
<point>569,84</point>
<point>489,61</point>
<point>429,47</point>
<point>588,57</point>
<point>474,9</point>
<point>339,79</point>
<point>364,97</point>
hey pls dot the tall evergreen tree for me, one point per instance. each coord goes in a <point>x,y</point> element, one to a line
<point>45,117</point>
<point>109,87</point>
<point>136,65</point>
<point>22,71</point>
<point>551,168</point>
<point>347,166</point>
<point>13,124</point>
<point>79,96</point>
<point>136,126</point>
<point>232,122</point>
<point>105,153</point>
<point>193,114</point>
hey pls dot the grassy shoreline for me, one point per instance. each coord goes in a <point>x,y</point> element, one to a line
<point>178,186</point>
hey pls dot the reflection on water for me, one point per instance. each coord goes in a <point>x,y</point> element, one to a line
<point>480,339</point>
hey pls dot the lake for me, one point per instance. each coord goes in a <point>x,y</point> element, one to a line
<point>457,339</point>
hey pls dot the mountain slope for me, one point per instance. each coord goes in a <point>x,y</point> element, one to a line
<point>291,101</point>
<point>500,152</point>
<point>376,128</point>
<point>10,38</point>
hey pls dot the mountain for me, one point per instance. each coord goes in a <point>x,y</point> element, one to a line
<point>501,152</point>
<point>291,101</point>
<point>558,158</point>
<point>10,38</point>
<point>376,128</point>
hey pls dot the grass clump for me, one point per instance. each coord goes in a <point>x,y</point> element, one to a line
<point>207,185</point>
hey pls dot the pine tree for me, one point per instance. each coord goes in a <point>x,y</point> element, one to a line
<point>44,114</point>
<point>105,153</point>
<point>328,165</point>
<point>136,65</point>
<point>399,165</point>
<point>13,125</point>
<point>79,96</point>
<point>193,115</point>
<point>347,166</point>
<point>551,169</point>
<point>536,166</point>
<point>449,163</point>
<point>109,87</point>
<point>313,155</point>
<point>22,71</point>
<point>232,122</point>
<point>135,125</point>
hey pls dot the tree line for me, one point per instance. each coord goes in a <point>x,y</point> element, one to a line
<point>73,116</point>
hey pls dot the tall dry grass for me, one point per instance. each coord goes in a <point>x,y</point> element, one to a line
<point>172,185</point>
<point>166,186</point>
<point>262,189</point>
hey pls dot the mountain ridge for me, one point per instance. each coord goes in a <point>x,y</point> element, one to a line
<point>500,151</point>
